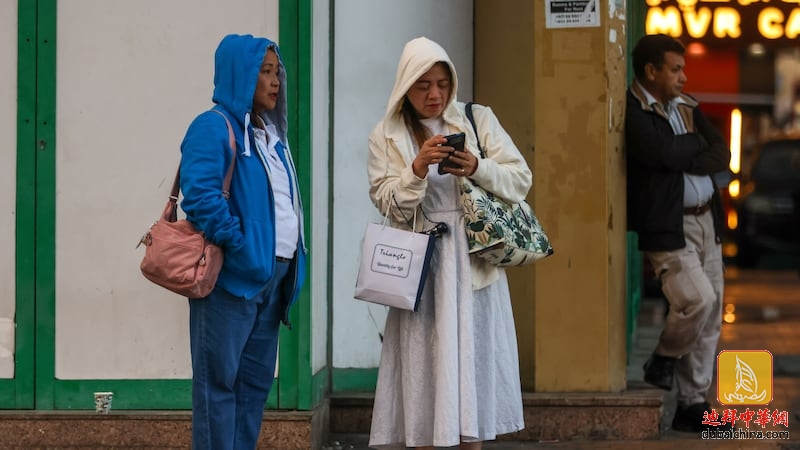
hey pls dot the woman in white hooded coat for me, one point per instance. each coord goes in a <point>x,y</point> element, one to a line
<point>449,373</point>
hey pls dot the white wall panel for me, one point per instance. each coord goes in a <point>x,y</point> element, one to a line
<point>321,184</point>
<point>369,36</point>
<point>8,182</point>
<point>131,77</point>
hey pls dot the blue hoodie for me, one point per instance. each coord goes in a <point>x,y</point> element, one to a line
<point>244,225</point>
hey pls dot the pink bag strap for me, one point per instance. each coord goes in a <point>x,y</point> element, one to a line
<point>226,184</point>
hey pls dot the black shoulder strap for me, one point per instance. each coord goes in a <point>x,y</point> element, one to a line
<point>468,109</point>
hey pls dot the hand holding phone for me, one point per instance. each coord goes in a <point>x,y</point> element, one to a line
<point>457,142</point>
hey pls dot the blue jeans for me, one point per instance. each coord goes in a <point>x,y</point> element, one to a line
<point>234,345</point>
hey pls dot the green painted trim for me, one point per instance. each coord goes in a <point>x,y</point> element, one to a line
<point>295,380</point>
<point>8,394</point>
<point>636,12</point>
<point>272,400</point>
<point>305,121</point>
<point>354,380</point>
<point>19,391</point>
<point>45,202</point>
<point>636,15</point>
<point>634,291</point>
<point>319,386</point>
<point>128,394</point>
<point>287,354</point>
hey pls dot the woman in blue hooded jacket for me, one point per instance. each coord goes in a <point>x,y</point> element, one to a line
<point>234,331</point>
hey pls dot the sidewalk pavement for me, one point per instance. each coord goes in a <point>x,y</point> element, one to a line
<point>769,320</point>
<point>763,313</point>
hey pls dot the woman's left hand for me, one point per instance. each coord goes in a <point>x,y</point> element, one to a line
<point>467,163</point>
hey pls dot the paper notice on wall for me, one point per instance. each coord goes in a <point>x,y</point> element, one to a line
<point>6,348</point>
<point>571,13</point>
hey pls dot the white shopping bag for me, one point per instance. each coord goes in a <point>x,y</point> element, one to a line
<point>394,266</point>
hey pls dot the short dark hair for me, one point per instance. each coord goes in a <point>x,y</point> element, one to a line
<point>650,50</point>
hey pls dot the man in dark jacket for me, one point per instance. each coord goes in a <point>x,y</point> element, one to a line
<point>674,206</point>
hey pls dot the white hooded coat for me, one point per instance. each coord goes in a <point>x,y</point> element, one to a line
<point>450,371</point>
<point>503,172</point>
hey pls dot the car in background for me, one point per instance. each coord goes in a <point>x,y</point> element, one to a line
<point>768,208</point>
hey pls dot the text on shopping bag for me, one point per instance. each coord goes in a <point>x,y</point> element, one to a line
<point>392,261</point>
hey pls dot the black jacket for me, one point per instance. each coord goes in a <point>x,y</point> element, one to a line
<point>657,158</point>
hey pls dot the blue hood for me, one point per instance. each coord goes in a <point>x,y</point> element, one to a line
<point>237,63</point>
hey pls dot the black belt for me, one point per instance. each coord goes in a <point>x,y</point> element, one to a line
<point>697,210</point>
<point>282,259</point>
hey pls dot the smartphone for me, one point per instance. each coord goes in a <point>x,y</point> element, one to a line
<point>457,142</point>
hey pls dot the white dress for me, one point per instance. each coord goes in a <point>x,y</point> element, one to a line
<point>448,372</point>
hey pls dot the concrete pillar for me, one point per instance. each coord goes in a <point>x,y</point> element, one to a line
<point>579,193</point>
<point>560,93</point>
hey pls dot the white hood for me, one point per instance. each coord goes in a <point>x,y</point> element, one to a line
<point>418,56</point>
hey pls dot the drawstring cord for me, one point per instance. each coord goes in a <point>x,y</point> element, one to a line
<point>438,229</point>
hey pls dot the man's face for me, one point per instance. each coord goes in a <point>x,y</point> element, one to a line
<point>666,82</point>
<point>268,84</point>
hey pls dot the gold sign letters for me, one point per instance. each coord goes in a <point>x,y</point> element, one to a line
<point>724,19</point>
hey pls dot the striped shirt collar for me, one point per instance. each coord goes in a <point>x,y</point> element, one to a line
<point>671,105</point>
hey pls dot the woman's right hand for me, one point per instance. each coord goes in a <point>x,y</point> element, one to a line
<point>432,152</point>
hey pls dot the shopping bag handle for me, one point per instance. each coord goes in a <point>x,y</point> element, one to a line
<point>389,207</point>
